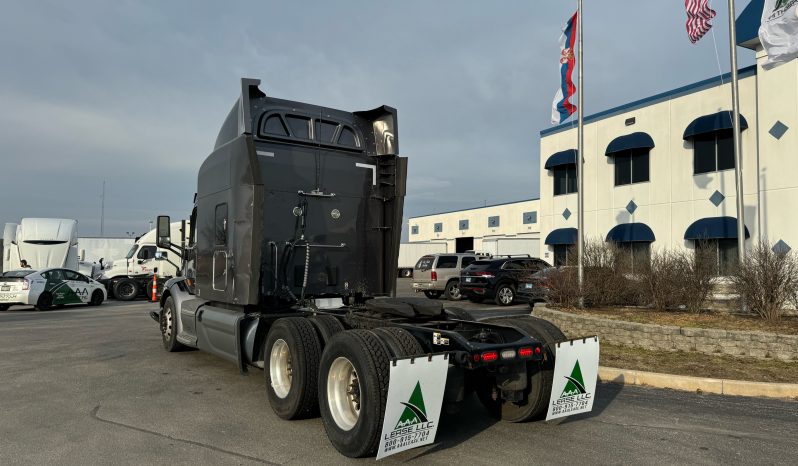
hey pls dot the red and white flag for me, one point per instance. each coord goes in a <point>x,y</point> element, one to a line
<point>698,15</point>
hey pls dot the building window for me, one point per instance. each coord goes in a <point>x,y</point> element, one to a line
<point>564,179</point>
<point>561,254</point>
<point>530,218</point>
<point>637,254</point>
<point>463,225</point>
<point>631,166</point>
<point>713,152</point>
<point>721,253</point>
<point>414,230</point>
<point>493,222</point>
<point>438,227</point>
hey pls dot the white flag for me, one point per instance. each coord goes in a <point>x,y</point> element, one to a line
<point>779,31</point>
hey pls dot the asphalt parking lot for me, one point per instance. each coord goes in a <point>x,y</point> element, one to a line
<point>93,386</point>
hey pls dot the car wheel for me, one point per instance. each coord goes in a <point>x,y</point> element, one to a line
<point>505,295</point>
<point>432,294</point>
<point>452,292</point>
<point>126,289</point>
<point>96,298</point>
<point>407,273</point>
<point>4,307</point>
<point>45,302</point>
<point>291,355</point>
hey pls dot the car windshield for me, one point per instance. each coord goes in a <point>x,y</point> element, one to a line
<point>132,251</point>
<point>18,273</point>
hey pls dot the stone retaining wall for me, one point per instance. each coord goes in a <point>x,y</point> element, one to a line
<point>760,345</point>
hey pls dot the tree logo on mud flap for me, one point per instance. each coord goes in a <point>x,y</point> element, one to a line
<point>576,384</point>
<point>414,412</point>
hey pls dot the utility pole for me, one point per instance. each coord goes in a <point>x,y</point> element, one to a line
<point>102,211</point>
<point>580,159</point>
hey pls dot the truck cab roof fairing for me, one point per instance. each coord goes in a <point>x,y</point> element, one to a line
<point>304,184</point>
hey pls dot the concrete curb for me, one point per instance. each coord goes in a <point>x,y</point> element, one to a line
<point>694,384</point>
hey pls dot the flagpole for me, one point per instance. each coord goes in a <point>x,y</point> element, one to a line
<point>738,156</point>
<point>580,196</point>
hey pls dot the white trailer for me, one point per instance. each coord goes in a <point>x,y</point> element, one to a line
<point>512,246</point>
<point>410,253</point>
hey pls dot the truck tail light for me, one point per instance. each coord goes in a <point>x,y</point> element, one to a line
<point>25,284</point>
<point>490,356</point>
<point>525,352</point>
<point>433,276</point>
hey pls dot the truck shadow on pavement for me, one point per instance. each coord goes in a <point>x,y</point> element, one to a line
<point>606,393</point>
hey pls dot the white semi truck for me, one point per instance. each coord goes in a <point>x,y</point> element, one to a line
<point>41,243</point>
<point>128,277</point>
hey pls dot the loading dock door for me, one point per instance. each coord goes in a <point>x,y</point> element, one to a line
<point>464,244</point>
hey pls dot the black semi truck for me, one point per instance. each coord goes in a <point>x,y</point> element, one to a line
<point>290,268</point>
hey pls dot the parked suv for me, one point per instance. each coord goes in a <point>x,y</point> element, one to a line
<point>497,278</point>
<point>439,274</point>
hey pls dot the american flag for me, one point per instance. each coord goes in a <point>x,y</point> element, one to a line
<point>698,15</point>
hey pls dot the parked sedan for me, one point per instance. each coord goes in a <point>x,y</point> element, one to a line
<point>48,288</point>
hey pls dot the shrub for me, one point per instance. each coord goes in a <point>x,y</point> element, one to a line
<point>662,280</point>
<point>767,280</point>
<point>698,269</point>
<point>562,287</point>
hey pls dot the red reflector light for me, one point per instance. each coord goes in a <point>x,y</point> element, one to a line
<point>525,352</point>
<point>490,356</point>
<point>433,276</point>
<point>538,350</point>
<point>476,358</point>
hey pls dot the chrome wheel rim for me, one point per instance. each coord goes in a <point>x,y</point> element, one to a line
<point>506,295</point>
<point>280,368</point>
<point>455,291</point>
<point>167,323</point>
<point>343,393</point>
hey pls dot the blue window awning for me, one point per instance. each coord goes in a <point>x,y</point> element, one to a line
<point>631,233</point>
<point>637,140</point>
<point>712,123</point>
<point>562,236</point>
<point>559,159</point>
<point>713,228</point>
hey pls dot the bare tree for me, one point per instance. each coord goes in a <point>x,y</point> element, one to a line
<point>767,280</point>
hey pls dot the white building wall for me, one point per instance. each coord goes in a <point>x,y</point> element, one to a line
<point>511,225</point>
<point>674,197</point>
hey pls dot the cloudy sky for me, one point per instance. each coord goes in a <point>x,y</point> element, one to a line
<point>134,92</point>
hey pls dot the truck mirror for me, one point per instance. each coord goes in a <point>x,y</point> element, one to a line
<point>161,255</point>
<point>163,237</point>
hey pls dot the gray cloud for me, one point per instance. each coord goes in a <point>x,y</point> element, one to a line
<point>133,92</point>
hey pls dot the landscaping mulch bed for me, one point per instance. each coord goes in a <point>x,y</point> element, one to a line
<point>786,326</point>
<point>698,365</point>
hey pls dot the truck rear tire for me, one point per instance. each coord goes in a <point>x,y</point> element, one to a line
<point>126,289</point>
<point>354,377</point>
<point>169,327</point>
<point>400,342</point>
<point>326,326</point>
<point>539,375</point>
<point>291,358</point>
